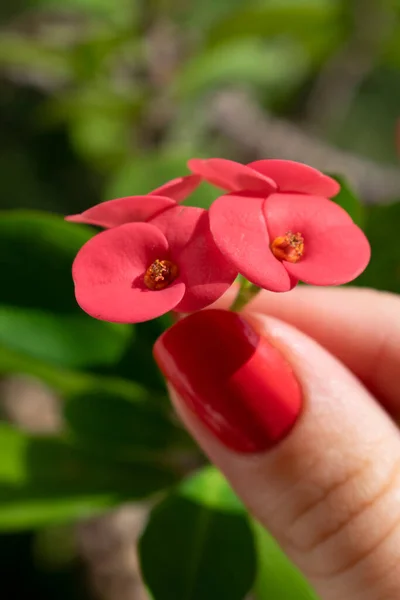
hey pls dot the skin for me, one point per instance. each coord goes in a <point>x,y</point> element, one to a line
<point>330,491</point>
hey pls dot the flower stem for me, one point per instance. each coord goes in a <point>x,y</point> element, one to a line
<point>247,291</point>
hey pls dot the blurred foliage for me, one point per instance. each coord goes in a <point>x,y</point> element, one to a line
<point>46,480</point>
<point>102,99</point>
<point>39,315</point>
<point>276,576</point>
<point>212,554</point>
<point>381,227</point>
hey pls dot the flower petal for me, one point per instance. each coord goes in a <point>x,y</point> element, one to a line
<point>108,275</point>
<point>122,210</point>
<point>204,270</point>
<point>178,189</point>
<point>239,230</point>
<point>303,213</point>
<point>335,249</point>
<point>334,256</point>
<point>231,176</point>
<point>291,176</point>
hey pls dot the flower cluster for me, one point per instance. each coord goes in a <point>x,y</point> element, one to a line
<point>275,225</point>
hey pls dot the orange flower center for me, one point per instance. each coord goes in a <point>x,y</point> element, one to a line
<point>160,274</point>
<point>289,247</point>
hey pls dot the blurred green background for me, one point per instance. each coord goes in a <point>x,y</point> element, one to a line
<point>105,98</point>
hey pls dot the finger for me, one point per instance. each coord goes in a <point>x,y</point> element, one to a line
<point>359,326</point>
<point>302,442</point>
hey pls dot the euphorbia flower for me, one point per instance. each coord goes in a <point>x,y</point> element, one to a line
<point>139,271</point>
<point>278,240</point>
<point>138,208</point>
<point>266,176</point>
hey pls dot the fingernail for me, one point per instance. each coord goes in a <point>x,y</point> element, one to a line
<point>236,382</point>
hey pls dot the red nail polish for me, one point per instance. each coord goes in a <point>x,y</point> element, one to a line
<point>234,380</point>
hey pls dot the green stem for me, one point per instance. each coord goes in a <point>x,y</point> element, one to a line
<point>247,291</point>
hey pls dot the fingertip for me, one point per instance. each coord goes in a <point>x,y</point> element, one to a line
<point>312,486</point>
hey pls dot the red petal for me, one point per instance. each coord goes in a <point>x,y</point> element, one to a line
<point>334,256</point>
<point>108,274</point>
<point>122,210</point>
<point>303,213</point>
<point>206,273</point>
<point>231,176</point>
<point>178,189</point>
<point>293,176</point>
<point>335,249</point>
<point>240,231</point>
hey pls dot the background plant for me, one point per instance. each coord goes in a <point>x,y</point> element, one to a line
<point>102,99</point>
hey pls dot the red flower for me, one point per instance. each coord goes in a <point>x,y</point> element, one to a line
<point>278,240</point>
<point>139,271</point>
<point>138,208</point>
<point>264,176</point>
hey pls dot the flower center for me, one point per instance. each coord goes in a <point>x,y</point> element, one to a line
<point>160,274</point>
<point>289,247</point>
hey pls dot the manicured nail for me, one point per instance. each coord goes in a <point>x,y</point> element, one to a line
<point>236,382</point>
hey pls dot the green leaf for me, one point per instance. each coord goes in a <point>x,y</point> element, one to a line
<point>46,480</point>
<point>276,576</point>
<point>62,380</point>
<point>103,139</point>
<point>382,230</point>
<point>68,382</point>
<point>37,251</point>
<point>39,315</point>
<point>391,51</point>
<point>316,23</point>
<point>198,543</point>
<point>145,173</point>
<point>137,362</point>
<point>98,118</point>
<point>270,65</point>
<point>119,11</point>
<point>73,340</point>
<point>111,415</point>
<point>209,488</point>
<point>118,426</point>
<point>201,15</point>
<point>35,56</point>
<point>142,174</point>
<point>348,200</point>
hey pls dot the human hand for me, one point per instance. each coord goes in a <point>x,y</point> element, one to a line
<point>293,408</point>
